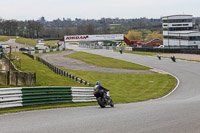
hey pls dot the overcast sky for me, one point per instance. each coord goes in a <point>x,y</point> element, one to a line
<point>95,9</point>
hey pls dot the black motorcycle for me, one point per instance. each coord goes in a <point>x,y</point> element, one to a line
<point>159,57</point>
<point>102,98</point>
<point>120,51</point>
<point>173,58</point>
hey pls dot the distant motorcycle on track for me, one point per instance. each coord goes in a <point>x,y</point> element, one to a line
<point>173,58</point>
<point>159,57</point>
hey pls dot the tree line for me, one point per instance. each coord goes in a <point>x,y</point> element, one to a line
<point>42,28</point>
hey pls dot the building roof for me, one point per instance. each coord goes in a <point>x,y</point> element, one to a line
<point>183,16</point>
<point>176,15</point>
<point>152,39</point>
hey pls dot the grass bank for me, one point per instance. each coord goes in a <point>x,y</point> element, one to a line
<point>26,41</point>
<point>125,88</point>
<point>6,38</point>
<point>105,61</point>
<point>51,43</point>
<point>44,76</point>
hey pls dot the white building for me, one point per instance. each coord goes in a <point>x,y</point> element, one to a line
<point>178,31</point>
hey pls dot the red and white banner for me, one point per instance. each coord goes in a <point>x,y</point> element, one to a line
<point>105,37</point>
<point>128,48</point>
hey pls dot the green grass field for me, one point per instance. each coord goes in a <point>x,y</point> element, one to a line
<point>44,76</point>
<point>31,42</point>
<point>51,43</point>
<point>6,38</point>
<point>124,88</point>
<point>105,61</point>
<point>26,41</point>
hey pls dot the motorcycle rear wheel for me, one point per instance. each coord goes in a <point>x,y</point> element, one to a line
<point>100,102</point>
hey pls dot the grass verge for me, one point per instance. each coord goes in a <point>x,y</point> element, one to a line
<point>105,61</point>
<point>26,41</point>
<point>51,43</point>
<point>6,38</point>
<point>125,88</point>
<point>44,76</point>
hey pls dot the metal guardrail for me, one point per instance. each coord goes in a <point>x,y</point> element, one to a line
<point>161,50</point>
<point>54,68</point>
<point>62,72</point>
<point>10,97</point>
<point>44,51</point>
<point>24,96</point>
<point>83,94</point>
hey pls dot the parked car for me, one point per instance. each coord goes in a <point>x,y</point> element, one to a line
<point>23,49</point>
<point>31,49</point>
<point>41,46</point>
<point>4,45</point>
<point>161,46</point>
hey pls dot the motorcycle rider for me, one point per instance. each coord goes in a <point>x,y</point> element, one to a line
<point>173,58</point>
<point>99,86</point>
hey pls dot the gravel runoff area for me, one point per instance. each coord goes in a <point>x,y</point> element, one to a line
<point>184,56</point>
<point>74,64</point>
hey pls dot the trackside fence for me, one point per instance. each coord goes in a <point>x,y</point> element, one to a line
<point>15,76</point>
<point>26,96</point>
<point>160,50</point>
<point>45,51</point>
<point>62,72</point>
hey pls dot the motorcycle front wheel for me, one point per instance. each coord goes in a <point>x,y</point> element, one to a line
<point>100,102</point>
<point>111,103</point>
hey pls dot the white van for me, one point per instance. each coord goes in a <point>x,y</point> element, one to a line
<point>161,46</point>
<point>4,46</point>
<point>41,46</point>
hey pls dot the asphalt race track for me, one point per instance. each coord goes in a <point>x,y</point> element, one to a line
<point>177,113</point>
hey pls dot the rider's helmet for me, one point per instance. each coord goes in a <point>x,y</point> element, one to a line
<point>98,83</point>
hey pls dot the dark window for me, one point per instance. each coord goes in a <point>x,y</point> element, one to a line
<point>176,24</point>
<point>179,20</point>
<point>165,21</point>
<point>180,28</point>
<point>191,38</point>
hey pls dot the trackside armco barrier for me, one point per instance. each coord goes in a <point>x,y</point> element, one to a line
<point>24,96</point>
<point>54,68</point>
<point>62,72</point>
<point>45,51</point>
